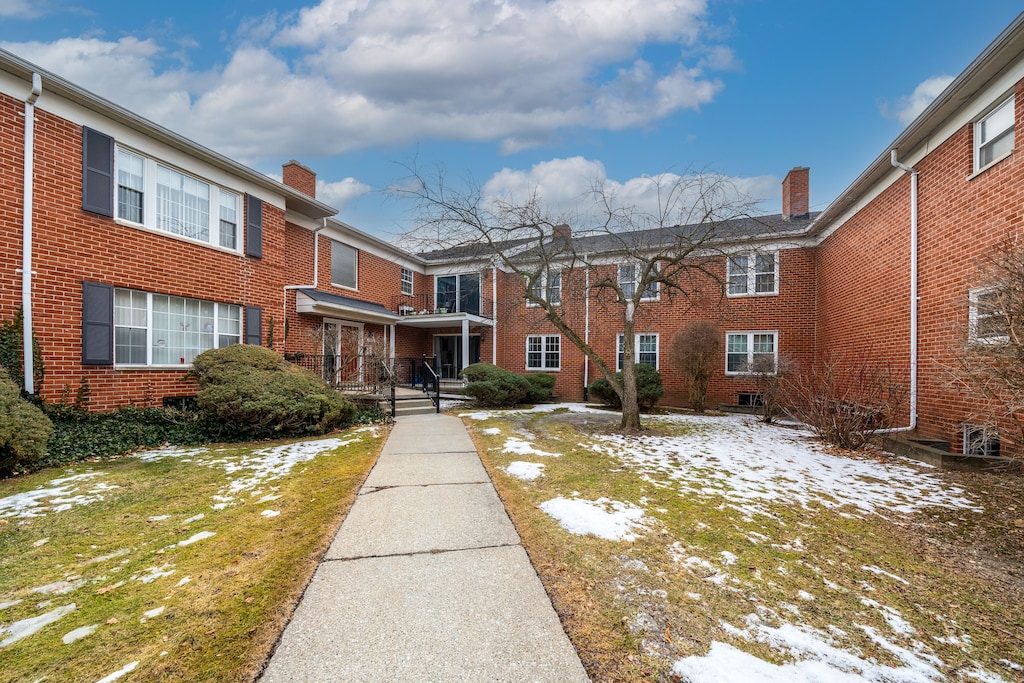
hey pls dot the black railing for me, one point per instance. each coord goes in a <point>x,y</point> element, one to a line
<point>429,304</point>
<point>430,377</point>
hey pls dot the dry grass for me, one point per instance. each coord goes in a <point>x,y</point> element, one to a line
<point>632,609</point>
<point>243,581</point>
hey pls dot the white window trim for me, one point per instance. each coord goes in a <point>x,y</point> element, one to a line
<point>978,168</point>
<point>543,352</point>
<point>751,274</point>
<point>750,350</point>
<point>402,281</point>
<point>636,349</point>
<point>149,203</point>
<point>355,267</point>
<point>545,287</point>
<point>149,365</point>
<point>636,281</point>
<point>974,295</point>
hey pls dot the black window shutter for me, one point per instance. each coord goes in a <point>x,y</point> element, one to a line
<point>253,226</point>
<point>97,324</point>
<point>253,325</point>
<point>97,172</point>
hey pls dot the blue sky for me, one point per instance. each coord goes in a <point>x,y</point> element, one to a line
<point>519,94</point>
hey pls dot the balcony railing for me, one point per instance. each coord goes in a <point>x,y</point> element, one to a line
<point>431,304</point>
<point>370,374</point>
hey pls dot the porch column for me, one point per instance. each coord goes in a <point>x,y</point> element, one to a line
<point>391,348</point>
<point>465,343</point>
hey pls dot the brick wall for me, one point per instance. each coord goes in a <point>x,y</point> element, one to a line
<point>863,272</point>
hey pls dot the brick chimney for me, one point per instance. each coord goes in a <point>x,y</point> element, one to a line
<point>299,177</point>
<point>796,193</point>
<point>561,231</point>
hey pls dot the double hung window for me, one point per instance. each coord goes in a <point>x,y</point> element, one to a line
<point>548,285</point>
<point>993,135</point>
<point>986,321</point>
<point>407,281</point>
<point>749,352</point>
<point>543,352</point>
<point>645,350</point>
<point>629,280</point>
<point>752,274</point>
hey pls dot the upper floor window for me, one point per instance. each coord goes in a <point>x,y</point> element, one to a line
<point>986,320</point>
<point>752,274</point>
<point>162,198</point>
<point>750,352</point>
<point>993,135</point>
<point>548,286</point>
<point>629,278</point>
<point>457,293</point>
<point>156,329</point>
<point>407,280</point>
<point>344,265</point>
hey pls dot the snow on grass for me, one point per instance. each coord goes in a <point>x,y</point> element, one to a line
<point>79,633</point>
<point>196,537</point>
<point>27,627</point>
<point>604,518</point>
<point>751,464</point>
<point>269,464</point>
<point>527,471</point>
<point>119,673</point>
<point>61,494</point>
<point>491,431</point>
<point>817,658</point>
<point>59,587</point>
<point>270,513</point>
<point>153,573</point>
<point>882,572</point>
<point>518,446</point>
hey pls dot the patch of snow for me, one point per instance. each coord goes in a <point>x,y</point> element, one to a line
<point>728,558</point>
<point>491,431</point>
<point>270,513</point>
<point>119,673</point>
<point>185,580</point>
<point>159,518</point>
<point>518,446</point>
<point>604,518</point>
<point>194,518</point>
<point>153,573</point>
<point>60,495</point>
<point>892,617</point>
<point>173,452</point>
<point>269,464</point>
<point>693,596</point>
<point>79,633</point>
<point>804,595</point>
<point>11,603</point>
<point>269,498</point>
<point>196,537</point>
<point>1011,665</point>
<point>59,587</point>
<point>527,471</point>
<point>27,627</point>
<point>881,572</point>
<point>155,612</point>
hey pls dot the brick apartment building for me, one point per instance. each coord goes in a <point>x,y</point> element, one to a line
<point>137,249</point>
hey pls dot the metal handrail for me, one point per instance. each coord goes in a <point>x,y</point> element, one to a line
<point>389,377</point>
<point>437,383</point>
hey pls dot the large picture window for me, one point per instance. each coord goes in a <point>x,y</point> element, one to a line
<point>161,198</point>
<point>162,330</point>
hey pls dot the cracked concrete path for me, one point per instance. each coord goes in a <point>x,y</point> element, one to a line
<point>426,580</point>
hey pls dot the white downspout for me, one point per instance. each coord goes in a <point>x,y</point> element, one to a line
<point>494,315</point>
<point>913,295</point>
<point>26,250</point>
<point>316,272</point>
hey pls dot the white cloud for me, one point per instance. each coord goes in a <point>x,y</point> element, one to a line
<point>23,9</point>
<point>565,187</point>
<point>362,74</point>
<point>339,194</point>
<point>907,108</point>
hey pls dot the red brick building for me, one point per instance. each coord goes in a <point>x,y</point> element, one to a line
<point>133,249</point>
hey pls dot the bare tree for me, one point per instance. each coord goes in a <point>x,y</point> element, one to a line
<point>990,366</point>
<point>696,353</point>
<point>672,250</point>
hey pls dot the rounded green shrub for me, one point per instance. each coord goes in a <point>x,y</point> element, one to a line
<point>495,387</point>
<point>24,429</point>
<point>254,390</point>
<point>541,386</point>
<point>648,389</point>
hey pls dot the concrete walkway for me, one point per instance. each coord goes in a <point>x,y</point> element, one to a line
<point>426,579</point>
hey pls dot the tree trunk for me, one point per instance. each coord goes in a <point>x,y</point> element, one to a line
<point>630,407</point>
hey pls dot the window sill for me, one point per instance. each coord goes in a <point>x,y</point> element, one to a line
<point>994,162</point>
<point>179,367</point>
<point>558,369</point>
<point>345,287</point>
<point>180,238</point>
<point>750,295</point>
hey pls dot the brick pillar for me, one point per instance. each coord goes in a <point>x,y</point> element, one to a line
<point>796,193</point>
<point>299,177</point>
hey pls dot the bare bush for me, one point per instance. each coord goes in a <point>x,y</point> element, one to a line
<point>772,379</point>
<point>846,402</point>
<point>696,351</point>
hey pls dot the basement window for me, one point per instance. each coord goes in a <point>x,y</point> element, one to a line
<point>980,440</point>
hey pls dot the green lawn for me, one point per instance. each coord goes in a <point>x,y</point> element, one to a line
<point>182,566</point>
